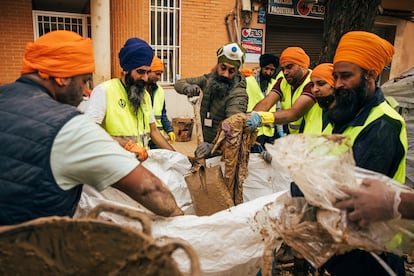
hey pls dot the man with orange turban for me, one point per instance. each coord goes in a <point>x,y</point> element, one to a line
<point>376,130</point>
<point>49,148</point>
<point>292,89</point>
<point>158,101</point>
<point>122,106</point>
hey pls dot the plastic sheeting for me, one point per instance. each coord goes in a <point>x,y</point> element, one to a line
<point>401,88</point>
<point>228,242</point>
<point>241,239</point>
<point>319,165</point>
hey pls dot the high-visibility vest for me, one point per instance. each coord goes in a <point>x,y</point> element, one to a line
<point>255,95</point>
<point>121,119</point>
<point>313,120</point>
<point>157,105</point>
<point>376,112</point>
<point>289,99</point>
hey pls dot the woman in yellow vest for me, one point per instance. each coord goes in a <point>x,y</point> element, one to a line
<point>322,83</point>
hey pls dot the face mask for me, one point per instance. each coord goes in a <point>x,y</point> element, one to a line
<point>325,101</point>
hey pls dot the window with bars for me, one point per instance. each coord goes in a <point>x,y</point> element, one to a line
<point>164,29</point>
<point>44,22</point>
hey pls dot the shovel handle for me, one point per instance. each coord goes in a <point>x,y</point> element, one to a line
<point>199,128</point>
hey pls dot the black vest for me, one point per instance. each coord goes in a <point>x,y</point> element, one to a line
<point>30,121</point>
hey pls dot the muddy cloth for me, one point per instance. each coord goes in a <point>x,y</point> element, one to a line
<point>234,141</point>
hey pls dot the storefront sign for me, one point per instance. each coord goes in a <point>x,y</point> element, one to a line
<point>298,8</point>
<point>252,41</point>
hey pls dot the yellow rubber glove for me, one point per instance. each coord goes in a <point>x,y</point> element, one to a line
<point>171,134</point>
<point>267,117</point>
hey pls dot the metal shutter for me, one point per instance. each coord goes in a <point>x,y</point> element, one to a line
<point>287,31</point>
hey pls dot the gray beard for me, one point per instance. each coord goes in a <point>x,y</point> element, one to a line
<point>220,86</point>
<point>135,91</point>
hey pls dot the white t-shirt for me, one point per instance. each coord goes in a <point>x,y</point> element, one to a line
<point>84,153</point>
<point>96,108</point>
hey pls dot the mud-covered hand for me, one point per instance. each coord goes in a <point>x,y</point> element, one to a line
<point>203,150</point>
<point>139,151</point>
<point>171,135</point>
<point>373,201</point>
<point>192,90</point>
<point>254,121</point>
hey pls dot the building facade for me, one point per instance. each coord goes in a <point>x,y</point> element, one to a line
<point>185,34</point>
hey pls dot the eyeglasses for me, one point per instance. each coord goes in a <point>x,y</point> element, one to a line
<point>142,71</point>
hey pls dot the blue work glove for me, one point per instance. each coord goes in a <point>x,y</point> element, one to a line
<point>203,150</point>
<point>254,121</point>
<point>192,90</point>
<point>267,157</point>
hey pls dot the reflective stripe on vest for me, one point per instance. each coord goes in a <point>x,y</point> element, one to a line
<point>382,109</point>
<point>255,95</point>
<point>289,99</point>
<point>120,118</point>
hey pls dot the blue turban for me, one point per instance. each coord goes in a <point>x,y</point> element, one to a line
<point>135,53</point>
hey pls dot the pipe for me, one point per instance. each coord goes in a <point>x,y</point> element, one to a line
<point>228,27</point>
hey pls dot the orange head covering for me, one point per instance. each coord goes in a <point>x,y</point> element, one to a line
<point>324,71</point>
<point>157,64</point>
<point>247,72</point>
<point>59,54</point>
<point>367,50</point>
<point>295,55</point>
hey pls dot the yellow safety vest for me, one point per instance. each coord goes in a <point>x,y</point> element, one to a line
<point>313,120</point>
<point>289,99</point>
<point>255,95</point>
<point>376,112</point>
<point>121,119</point>
<point>157,105</point>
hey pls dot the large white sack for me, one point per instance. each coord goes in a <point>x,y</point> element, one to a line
<point>227,243</point>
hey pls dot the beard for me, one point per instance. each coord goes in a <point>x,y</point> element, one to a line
<point>135,91</point>
<point>264,81</point>
<point>348,102</point>
<point>219,85</point>
<point>325,101</point>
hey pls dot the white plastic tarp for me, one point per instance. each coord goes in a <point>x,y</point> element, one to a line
<point>401,88</point>
<point>228,242</point>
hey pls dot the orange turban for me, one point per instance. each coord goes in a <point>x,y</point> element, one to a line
<point>295,55</point>
<point>367,50</point>
<point>247,72</point>
<point>59,54</point>
<point>324,72</point>
<point>157,64</point>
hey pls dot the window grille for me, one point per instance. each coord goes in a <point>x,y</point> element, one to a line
<point>164,29</point>
<point>44,22</point>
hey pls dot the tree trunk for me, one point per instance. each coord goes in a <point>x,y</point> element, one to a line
<point>342,16</point>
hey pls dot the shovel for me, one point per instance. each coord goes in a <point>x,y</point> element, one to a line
<point>207,187</point>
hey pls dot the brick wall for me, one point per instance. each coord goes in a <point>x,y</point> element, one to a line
<point>203,31</point>
<point>129,18</point>
<point>16,29</point>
